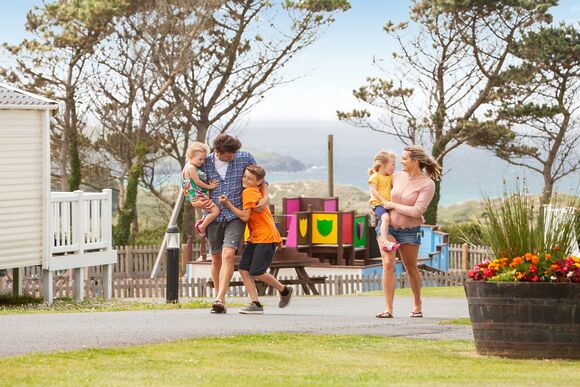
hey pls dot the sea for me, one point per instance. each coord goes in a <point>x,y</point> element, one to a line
<point>468,173</point>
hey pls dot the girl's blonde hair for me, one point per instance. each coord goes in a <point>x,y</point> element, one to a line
<point>196,147</point>
<point>426,162</point>
<point>381,158</point>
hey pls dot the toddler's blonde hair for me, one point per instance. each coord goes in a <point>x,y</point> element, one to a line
<point>381,158</point>
<point>196,147</point>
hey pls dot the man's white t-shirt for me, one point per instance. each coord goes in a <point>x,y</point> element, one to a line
<point>221,167</point>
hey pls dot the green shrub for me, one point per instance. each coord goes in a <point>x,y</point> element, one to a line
<point>516,224</point>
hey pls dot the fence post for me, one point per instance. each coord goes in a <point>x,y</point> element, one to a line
<point>464,256</point>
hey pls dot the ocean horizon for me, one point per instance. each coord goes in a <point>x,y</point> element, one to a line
<point>468,173</point>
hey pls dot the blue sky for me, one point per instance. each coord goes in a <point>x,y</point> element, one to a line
<point>329,70</point>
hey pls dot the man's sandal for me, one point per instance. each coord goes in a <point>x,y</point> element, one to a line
<point>384,315</point>
<point>416,314</point>
<point>218,307</point>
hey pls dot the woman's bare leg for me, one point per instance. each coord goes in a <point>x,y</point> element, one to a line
<point>409,256</point>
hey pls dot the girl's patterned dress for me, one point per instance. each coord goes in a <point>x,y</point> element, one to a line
<point>190,189</point>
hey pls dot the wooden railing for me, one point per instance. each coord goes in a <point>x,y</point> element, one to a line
<point>80,221</point>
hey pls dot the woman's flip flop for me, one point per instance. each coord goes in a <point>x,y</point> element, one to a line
<point>384,315</point>
<point>416,315</point>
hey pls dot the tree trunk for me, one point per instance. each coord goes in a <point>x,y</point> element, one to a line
<point>127,213</point>
<point>548,185</point>
<point>75,162</point>
<point>431,212</point>
<point>63,160</point>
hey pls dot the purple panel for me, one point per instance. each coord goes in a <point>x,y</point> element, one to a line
<point>292,206</point>
<point>330,205</point>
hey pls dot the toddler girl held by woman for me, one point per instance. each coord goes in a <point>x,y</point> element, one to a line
<point>195,185</point>
<point>381,184</point>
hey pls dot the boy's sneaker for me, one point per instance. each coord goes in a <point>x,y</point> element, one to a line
<point>285,300</point>
<point>252,309</point>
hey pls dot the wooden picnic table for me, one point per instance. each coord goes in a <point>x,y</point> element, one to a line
<point>287,258</point>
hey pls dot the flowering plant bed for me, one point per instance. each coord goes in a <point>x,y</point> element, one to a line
<point>528,268</point>
<point>525,303</point>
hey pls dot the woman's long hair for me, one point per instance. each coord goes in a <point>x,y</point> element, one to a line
<point>426,162</point>
<point>381,158</point>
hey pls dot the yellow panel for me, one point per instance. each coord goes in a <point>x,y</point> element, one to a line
<point>325,229</point>
<point>246,233</point>
<point>303,227</point>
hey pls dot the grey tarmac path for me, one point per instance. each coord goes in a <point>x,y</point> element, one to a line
<point>31,333</point>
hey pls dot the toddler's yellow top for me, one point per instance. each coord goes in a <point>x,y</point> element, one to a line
<point>384,185</point>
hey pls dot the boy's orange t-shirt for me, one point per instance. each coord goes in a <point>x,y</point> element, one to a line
<point>261,224</point>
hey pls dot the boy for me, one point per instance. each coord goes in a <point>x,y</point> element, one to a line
<point>262,243</point>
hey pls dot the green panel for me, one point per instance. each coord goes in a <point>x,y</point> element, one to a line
<point>360,231</point>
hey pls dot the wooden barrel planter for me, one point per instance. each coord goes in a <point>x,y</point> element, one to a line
<point>525,319</point>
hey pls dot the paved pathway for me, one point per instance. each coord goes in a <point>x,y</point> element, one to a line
<point>338,315</point>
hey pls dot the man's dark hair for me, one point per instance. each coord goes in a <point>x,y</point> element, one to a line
<point>224,143</point>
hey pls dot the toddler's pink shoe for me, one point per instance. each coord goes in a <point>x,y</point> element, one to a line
<point>391,246</point>
<point>197,224</point>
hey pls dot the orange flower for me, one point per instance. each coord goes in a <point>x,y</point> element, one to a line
<point>554,267</point>
<point>535,260</point>
<point>528,256</point>
<point>548,256</point>
<point>555,248</point>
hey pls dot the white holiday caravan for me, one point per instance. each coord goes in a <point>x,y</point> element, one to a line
<point>58,230</point>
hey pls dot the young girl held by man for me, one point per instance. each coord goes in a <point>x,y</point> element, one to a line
<point>195,185</point>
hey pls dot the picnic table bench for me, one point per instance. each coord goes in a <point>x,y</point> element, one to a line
<point>287,258</point>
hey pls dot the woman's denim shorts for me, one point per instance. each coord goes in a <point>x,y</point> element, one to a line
<point>406,236</point>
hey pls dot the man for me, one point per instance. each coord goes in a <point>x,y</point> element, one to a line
<point>226,164</point>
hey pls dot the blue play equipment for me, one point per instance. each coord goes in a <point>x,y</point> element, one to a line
<point>433,252</point>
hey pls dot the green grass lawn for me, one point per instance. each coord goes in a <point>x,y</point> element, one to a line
<point>444,291</point>
<point>286,360</point>
<point>31,305</point>
<point>457,321</point>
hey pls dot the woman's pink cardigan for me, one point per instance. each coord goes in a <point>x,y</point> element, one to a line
<point>411,196</point>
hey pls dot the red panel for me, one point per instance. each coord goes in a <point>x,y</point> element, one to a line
<point>347,228</point>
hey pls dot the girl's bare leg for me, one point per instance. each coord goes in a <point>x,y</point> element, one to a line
<point>210,217</point>
<point>389,280</point>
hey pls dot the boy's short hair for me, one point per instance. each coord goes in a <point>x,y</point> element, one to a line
<point>224,143</point>
<point>256,170</point>
<point>196,147</point>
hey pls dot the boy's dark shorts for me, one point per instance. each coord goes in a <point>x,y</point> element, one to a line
<point>225,234</point>
<point>257,257</point>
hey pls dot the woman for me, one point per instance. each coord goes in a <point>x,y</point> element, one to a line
<point>413,189</point>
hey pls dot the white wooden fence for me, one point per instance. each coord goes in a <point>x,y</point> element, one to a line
<point>145,287</point>
<point>465,256</point>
